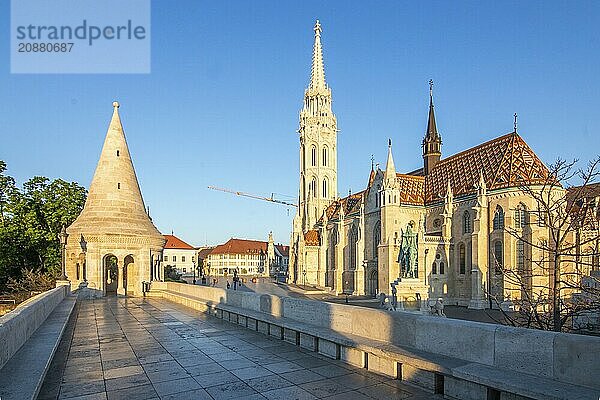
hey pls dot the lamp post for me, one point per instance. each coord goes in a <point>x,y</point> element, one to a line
<point>194,268</point>
<point>62,237</point>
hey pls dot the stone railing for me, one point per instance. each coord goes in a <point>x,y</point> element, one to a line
<point>461,350</point>
<point>18,325</point>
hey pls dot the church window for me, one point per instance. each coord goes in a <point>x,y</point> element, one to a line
<point>324,156</point>
<point>498,257</point>
<point>434,268</point>
<point>521,217</point>
<point>376,238</point>
<point>325,185</point>
<point>462,259</point>
<point>520,256</point>
<point>442,268</point>
<point>313,156</point>
<point>313,187</point>
<point>467,227</point>
<point>499,218</point>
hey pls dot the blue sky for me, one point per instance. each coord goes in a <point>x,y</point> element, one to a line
<point>221,104</point>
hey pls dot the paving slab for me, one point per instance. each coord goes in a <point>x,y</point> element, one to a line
<point>136,348</point>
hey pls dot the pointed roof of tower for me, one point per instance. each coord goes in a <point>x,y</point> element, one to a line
<point>114,204</point>
<point>317,72</point>
<point>432,133</point>
<point>390,168</point>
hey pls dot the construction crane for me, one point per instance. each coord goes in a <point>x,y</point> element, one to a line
<point>253,196</point>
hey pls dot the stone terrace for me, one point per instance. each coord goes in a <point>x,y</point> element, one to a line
<point>151,348</point>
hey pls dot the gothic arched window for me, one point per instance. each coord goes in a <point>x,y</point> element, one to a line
<point>376,238</point>
<point>325,186</point>
<point>442,268</point>
<point>467,227</point>
<point>462,259</point>
<point>313,156</point>
<point>352,239</point>
<point>324,156</point>
<point>498,256</point>
<point>313,187</point>
<point>434,268</point>
<point>499,218</point>
<point>521,216</point>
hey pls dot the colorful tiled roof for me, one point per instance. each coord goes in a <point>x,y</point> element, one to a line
<point>412,189</point>
<point>311,238</point>
<point>240,246</point>
<point>173,242</point>
<point>506,161</point>
<point>350,204</point>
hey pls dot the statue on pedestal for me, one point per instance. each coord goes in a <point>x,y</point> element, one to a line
<point>408,252</point>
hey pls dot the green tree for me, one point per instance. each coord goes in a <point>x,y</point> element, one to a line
<point>30,220</point>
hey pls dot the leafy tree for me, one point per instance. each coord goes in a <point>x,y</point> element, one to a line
<point>30,220</point>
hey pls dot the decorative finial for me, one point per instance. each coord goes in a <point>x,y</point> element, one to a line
<point>115,104</point>
<point>431,88</point>
<point>317,28</point>
<point>389,142</point>
<point>515,122</point>
<point>372,162</point>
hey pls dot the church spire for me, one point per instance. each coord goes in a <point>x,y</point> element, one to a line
<point>432,143</point>
<point>317,73</point>
<point>390,168</point>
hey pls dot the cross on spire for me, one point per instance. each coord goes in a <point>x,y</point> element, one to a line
<point>515,126</point>
<point>431,91</point>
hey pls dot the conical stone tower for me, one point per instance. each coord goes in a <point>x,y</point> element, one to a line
<point>113,244</point>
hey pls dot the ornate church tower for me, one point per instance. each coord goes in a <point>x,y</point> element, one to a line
<point>432,143</point>
<point>113,245</point>
<point>318,158</point>
<point>318,143</point>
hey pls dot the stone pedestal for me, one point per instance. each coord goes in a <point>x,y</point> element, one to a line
<point>407,289</point>
<point>478,300</point>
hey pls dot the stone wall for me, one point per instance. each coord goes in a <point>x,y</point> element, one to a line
<point>564,357</point>
<point>18,325</point>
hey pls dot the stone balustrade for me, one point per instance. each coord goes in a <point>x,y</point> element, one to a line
<point>17,326</point>
<point>471,353</point>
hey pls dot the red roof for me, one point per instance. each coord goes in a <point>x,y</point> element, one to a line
<point>173,242</point>
<point>240,246</point>
<point>283,250</point>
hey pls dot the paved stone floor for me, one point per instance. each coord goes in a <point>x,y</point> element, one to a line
<point>151,348</point>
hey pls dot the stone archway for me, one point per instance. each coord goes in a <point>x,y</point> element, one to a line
<point>111,274</point>
<point>128,271</point>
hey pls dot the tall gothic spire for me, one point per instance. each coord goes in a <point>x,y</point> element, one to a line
<point>317,72</point>
<point>390,168</point>
<point>432,143</point>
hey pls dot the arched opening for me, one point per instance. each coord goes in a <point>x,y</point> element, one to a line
<point>372,282</point>
<point>128,264</point>
<point>325,156</point>
<point>325,188</point>
<point>111,274</point>
<point>313,156</point>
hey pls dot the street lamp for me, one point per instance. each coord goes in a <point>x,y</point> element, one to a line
<point>194,268</point>
<point>62,237</point>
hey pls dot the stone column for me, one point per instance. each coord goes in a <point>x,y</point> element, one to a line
<point>120,268</point>
<point>479,267</point>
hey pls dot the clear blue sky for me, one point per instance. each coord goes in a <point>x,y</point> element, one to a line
<point>221,104</point>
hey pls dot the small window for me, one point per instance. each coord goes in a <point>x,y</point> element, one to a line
<point>442,268</point>
<point>467,226</point>
<point>118,185</point>
<point>165,258</point>
<point>117,153</point>
<point>174,258</point>
<point>324,156</point>
<point>434,268</point>
<point>184,270</point>
<point>462,259</point>
<point>313,156</point>
<point>499,218</point>
<point>182,258</point>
